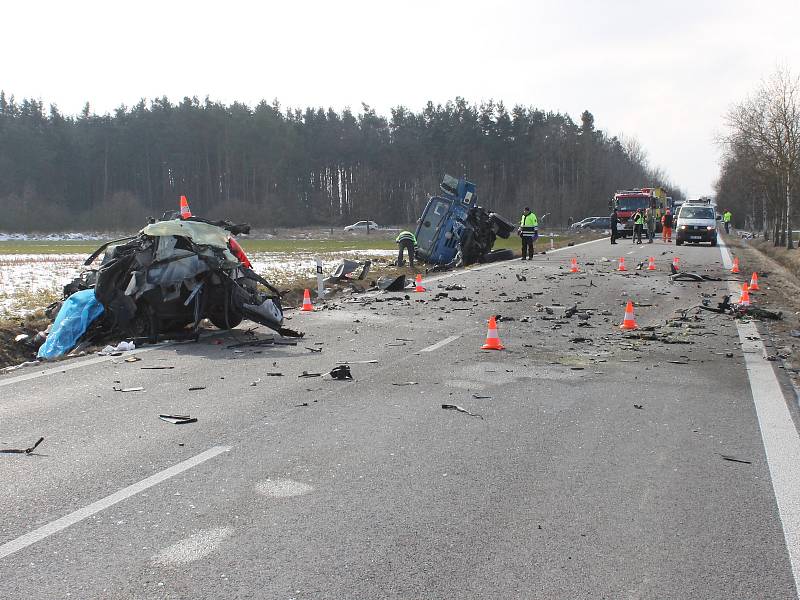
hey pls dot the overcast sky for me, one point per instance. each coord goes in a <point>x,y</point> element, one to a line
<point>664,72</point>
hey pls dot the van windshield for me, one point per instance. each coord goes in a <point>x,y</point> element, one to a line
<point>696,212</point>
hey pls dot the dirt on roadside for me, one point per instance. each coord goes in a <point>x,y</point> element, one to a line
<point>13,352</point>
<point>779,281</point>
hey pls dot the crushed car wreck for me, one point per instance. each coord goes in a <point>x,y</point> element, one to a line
<point>174,273</point>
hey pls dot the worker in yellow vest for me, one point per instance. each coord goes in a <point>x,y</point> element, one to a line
<point>726,219</point>
<point>529,232</point>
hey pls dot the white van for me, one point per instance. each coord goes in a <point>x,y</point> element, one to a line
<point>696,222</point>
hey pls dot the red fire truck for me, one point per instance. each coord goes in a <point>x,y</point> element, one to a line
<point>628,201</point>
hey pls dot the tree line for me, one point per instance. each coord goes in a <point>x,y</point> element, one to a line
<point>299,167</point>
<point>760,170</point>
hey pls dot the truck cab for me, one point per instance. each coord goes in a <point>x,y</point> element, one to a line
<point>453,223</point>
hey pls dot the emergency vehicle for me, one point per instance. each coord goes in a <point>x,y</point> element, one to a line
<point>626,202</point>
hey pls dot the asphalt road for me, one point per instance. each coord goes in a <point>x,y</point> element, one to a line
<point>290,487</point>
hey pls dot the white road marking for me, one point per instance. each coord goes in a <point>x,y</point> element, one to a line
<point>68,366</point>
<point>438,345</point>
<point>778,432</point>
<point>283,488</point>
<point>87,511</point>
<point>193,548</point>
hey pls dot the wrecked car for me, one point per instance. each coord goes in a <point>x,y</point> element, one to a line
<point>174,273</point>
<point>454,231</point>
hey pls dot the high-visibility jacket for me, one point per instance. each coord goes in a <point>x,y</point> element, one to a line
<point>726,217</point>
<point>406,235</point>
<point>639,220</point>
<point>529,220</point>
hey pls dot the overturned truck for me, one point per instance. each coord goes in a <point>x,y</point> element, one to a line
<point>170,276</point>
<point>454,231</point>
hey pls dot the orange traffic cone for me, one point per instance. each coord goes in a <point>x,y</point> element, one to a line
<point>621,264</point>
<point>735,268</point>
<point>651,266</point>
<point>574,266</point>
<point>185,212</point>
<point>744,299</point>
<point>676,262</point>
<point>629,322</point>
<point>307,306</point>
<point>419,287</point>
<point>492,339</point>
<point>754,283</point>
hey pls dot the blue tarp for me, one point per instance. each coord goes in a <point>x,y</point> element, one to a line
<point>72,321</point>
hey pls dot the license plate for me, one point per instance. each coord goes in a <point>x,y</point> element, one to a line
<point>695,237</point>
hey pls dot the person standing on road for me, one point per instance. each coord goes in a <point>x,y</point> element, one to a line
<point>408,241</point>
<point>529,232</point>
<point>666,227</point>
<point>614,225</point>
<point>726,219</point>
<point>650,217</point>
<point>638,225</point>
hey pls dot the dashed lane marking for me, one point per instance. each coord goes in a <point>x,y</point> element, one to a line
<point>438,345</point>
<point>193,548</point>
<point>95,507</point>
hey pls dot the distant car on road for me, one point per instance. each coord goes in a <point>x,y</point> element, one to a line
<point>598,223</point>
<point>583,222</point>
<point>363,226</point>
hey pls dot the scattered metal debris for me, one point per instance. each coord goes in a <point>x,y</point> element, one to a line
<point>178,419</point>
<point>307,374</point>
<point>734,459</point>
<point>130,389</point>
<point>341,373</point>
<point>22,450</point>
<point>460,409</point>
<point>402,383</point>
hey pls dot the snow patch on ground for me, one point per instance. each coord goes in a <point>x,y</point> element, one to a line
<point>25,274</point>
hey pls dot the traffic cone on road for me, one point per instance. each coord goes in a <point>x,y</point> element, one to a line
<point>574,266</point>
<point>735,268</point>
<point>185,212</point>
<point>744,299</point>
<point>629,322</point>
<point>676,262</point>
<point>419,287</point>
<point>754,283</point>
<point>651,265</point>
<point>307,306</point>
<point>621,264</point>
<point>492,339</point>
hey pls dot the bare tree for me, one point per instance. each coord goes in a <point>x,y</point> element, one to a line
<point>767,124</point>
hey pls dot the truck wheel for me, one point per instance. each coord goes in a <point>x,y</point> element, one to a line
<point>713,243</point>
<point>678,242</point>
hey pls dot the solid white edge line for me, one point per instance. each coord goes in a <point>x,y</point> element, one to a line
<point>438,345</point>
<point>87,511</point>
<point>778,432</point>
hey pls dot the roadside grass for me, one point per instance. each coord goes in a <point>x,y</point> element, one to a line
<point>374,241</point>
